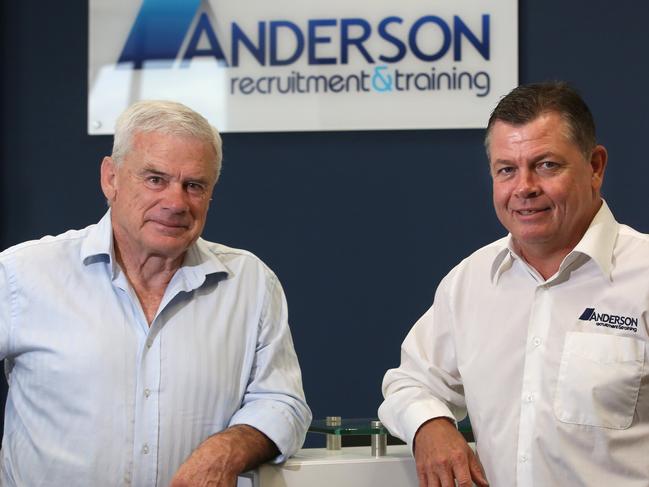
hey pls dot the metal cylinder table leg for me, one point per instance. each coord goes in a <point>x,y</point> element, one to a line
<point>333,441</point>
<point>379,441</point>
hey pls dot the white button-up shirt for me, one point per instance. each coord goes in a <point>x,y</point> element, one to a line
<point>554,373</point>
<point>99,398</point>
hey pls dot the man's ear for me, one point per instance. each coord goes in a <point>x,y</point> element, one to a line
<point>598,160</point>
<point>109,178</point>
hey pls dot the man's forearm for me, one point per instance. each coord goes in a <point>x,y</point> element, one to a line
<point>221,457</point>
<point>247,446</point>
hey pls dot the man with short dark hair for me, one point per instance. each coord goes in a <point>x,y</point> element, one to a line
<point>136,352</point>
<point>542,335</point>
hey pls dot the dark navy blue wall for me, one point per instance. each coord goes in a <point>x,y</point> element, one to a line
<point>359,226</point>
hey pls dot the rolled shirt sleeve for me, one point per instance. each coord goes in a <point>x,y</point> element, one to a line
<point>274,400</point>
<point>427,383</point>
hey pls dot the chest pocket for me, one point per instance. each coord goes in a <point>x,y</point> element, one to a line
<point>599,380</point>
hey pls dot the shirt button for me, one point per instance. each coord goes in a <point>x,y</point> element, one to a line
<point>147,392</point>
<point>145,449</point>
<point>536,341</point>
<point>523,458</point>
<point>529,397</point>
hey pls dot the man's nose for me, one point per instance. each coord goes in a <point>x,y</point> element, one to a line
<point>528,184</point>
<point>175,198</point>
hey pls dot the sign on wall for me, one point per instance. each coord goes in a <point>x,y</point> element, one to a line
<point>295,65</point>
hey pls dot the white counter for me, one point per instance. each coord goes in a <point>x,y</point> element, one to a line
<point>349,467</point>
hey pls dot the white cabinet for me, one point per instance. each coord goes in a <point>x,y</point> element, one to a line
<point>349,467</point>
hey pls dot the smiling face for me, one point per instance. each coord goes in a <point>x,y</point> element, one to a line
<point>159,194</point>
<point>545,192</point>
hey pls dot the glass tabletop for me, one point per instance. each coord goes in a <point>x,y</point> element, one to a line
<point>363,426</point>
<point>346,427</point>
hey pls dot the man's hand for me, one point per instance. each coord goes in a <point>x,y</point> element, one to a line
<point>443,457</point>
<point>222,457</point>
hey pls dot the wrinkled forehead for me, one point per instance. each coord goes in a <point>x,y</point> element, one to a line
<point>157,150</point>
<point>149,141</point>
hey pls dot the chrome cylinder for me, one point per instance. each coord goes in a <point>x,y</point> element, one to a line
<point>379,441</point>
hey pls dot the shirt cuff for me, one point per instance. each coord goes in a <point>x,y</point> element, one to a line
<point>281,426</point>
<point>418,413</point>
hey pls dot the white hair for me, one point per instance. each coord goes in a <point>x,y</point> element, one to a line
<point>165,117</point>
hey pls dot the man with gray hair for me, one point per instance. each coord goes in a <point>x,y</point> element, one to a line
<point>542,335</point>
<point>136,352</point>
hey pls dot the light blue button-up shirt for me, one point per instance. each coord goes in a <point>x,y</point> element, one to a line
<point>97,397</point>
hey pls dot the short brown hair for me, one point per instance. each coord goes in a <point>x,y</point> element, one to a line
<point>526,102</point>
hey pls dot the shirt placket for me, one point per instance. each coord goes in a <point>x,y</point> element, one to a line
<point>538,328</point>
<point>144,415</point>
<point>146,427</point>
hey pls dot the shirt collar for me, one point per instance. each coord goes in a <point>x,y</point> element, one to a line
<point>504,259</point>
<point>199,262</point>
<point>597,244</point>
<point>599,240</point>
<point>98,244</point>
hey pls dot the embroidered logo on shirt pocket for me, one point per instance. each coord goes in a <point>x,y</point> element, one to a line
<point>599,380</point>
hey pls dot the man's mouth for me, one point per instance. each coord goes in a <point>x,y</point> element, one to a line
<point>170,224</point>
<point>531,211</point>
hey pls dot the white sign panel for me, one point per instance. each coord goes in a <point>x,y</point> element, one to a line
<point>284,65</point>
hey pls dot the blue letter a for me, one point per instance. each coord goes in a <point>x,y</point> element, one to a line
<point>204,26</point>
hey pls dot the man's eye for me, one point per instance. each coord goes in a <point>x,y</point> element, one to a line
<point>505,171</point>
<point>548,165</point>
<point>154,182</point>
<point>155,179</point>
<point>195,188</point>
